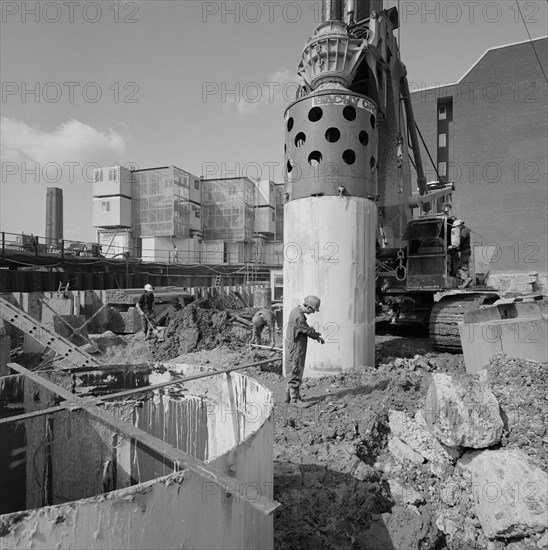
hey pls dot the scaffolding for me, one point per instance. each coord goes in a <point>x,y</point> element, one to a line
<point>161,206</point>
<point>228,207</point>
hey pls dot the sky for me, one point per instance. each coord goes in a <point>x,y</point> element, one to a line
<point>198,84</point>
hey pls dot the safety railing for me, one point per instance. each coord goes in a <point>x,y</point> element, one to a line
<point>206,252</point>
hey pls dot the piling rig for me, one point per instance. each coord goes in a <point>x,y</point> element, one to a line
<point>355,232</point>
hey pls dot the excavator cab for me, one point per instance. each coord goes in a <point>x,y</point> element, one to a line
<point>428,259</point>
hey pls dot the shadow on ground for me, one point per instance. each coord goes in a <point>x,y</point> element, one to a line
<point>325,509</point>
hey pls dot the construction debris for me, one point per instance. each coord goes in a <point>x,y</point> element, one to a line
<point>192,329</point>
<point>365,463</point>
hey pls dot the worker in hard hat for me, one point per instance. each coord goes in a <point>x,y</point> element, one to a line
<point>263,318</point>
<point>296,339</point>
<point>145,307</point>
<point>465,250</point>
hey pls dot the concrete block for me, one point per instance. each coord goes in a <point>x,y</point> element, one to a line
<point>510,493</point>
<point>517,329</point>
<point>124,322</point>
<point>461,412</point>
<point>55,306</point>
<point>75,321</point>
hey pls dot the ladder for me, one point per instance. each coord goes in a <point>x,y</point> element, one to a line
<point>45,336</point>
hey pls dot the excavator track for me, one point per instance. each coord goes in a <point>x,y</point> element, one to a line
<point>445,315</point>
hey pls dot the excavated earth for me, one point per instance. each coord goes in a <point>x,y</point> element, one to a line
<point>339,486</point>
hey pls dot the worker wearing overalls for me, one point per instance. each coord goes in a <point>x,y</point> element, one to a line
<point>296,340</point>
<point>263,317</point>
<point>145,306</point>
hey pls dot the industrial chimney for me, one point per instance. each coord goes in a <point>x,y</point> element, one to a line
<point>54,215</point>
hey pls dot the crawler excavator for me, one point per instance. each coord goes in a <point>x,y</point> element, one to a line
<point>350,138</point>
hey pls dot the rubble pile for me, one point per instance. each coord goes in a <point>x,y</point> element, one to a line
<point>332,495</point>
<point>415,454</point>
<point>521,388</point>
<point>192,329</point>
<point>476,451</point>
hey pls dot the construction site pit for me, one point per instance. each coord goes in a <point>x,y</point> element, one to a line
<point>125,458</point>
<point>338,480</point>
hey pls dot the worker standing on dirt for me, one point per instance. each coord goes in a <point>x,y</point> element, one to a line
<point>263,318</point>
<point>296,340</point>
<point>145,307</point>
<point>465,250</point>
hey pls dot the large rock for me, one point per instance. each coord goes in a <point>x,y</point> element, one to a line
<point>462,412</point>
<point>510,493</point>
<point>415,433</point>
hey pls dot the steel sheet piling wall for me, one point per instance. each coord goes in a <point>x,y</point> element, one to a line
<point>331,253</point>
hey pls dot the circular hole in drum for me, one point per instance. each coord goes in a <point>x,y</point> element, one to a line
<point>289,166</point>
<point>349,156</point>
<point>300,138</point>
<point>290,124</point>
<point>349,113</point>
<point>332,135</point>
<point>314,158</point>
<point>315,114</point>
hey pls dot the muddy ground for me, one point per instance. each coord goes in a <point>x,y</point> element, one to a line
<point>330,457</point>
<point>338,485</point>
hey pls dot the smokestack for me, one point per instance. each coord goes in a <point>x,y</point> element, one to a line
<point>54,215</point>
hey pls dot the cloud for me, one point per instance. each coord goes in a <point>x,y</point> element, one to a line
<point>71,141</point>
<point>278,88</point>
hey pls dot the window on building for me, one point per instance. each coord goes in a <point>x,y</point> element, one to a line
<point>98,175</point>
<point>442,112</point>
<point>196,184</point>
<point>196,214</point>
<point>112,174</point>
<point>105,206</point>
<point>442,140</point>
<point>442,169</point>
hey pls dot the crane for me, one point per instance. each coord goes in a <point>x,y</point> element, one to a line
<point>362,235</point>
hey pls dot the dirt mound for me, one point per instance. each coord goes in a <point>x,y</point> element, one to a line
<point>117,349</point>
<point>324,458</point>
<point>192,329</point>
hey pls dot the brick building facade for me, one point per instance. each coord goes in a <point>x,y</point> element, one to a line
<point>489,135</point>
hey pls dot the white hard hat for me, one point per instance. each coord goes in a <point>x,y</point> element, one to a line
<point>457,223</point>
<point>312,301</point>
<point>149,288</point>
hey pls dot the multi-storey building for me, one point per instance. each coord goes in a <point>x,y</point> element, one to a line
<point>166,214</point>
<point>169,215</point>
<point>112,210</point>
